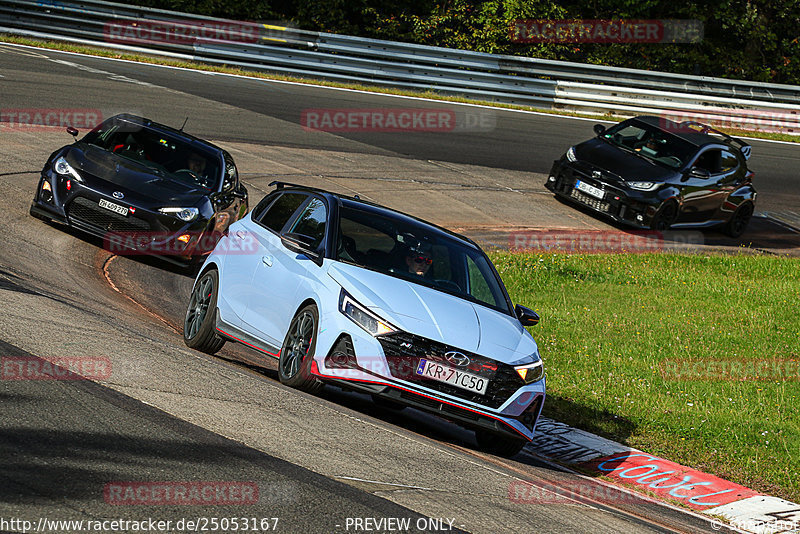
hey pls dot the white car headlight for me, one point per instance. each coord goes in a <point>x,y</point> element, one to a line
<point>364,318</point>
<point>61,166</point>
<point>531,372</point>
<point>184,214</point>
<point>643,186</point>
<point>571,154</point>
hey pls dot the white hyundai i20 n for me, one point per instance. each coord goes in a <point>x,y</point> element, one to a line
<point>342,291</point>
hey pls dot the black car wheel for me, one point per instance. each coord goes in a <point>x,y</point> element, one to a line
<point>198,326</point>
<point>294,364</point>
<point>739,220</point>
<point>665,216</point>
<point>498,445</point>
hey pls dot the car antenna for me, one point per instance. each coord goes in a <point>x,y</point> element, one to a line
<point>184,123</point>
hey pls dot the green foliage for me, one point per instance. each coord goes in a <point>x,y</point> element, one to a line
<point>747,39</point>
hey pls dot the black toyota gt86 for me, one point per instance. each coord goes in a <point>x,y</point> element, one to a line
<point>143,187</point>
<point>651,172</point>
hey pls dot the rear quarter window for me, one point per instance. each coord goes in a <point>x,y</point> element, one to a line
<point>281,210</point>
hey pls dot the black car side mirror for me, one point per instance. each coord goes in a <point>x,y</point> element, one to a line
<point>526,316</point>
<point>301,244</point>
<point>599,129</point>
<point>699,172</point>
<point>73,132</point>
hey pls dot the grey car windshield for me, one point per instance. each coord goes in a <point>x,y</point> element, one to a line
<point>164,155</point>
<point>650,143</point>
<point>416,252</point>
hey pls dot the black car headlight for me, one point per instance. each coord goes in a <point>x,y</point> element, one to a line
<point>62,167</point>
<point>643,185</point>
<point>364,318</point>
<point>530,372</point>
<point>571,154</point>
<point>184,214</point>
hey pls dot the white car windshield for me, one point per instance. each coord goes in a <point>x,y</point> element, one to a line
<point>411,250</point>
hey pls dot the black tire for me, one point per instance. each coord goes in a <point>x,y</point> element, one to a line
<point>497,444</point>
<point>665,216</point>
<point>739,220</point>
<point>294,364</point>
<point>198,327</point>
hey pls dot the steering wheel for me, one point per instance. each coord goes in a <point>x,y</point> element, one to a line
<point>448,284</point>
<point>130,150</point>
<point>193,175</point>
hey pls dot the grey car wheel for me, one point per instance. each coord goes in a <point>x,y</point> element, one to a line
<point>297,352</point>
<point>198,325</point>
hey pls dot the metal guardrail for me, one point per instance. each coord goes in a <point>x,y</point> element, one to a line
<point>507,79</point>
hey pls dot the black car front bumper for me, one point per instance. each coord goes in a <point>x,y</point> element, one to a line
<point>632,208</point>
<point>142,232</point>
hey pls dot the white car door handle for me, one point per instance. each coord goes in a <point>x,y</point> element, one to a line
<point>239,234</point>
<point>266,260</point>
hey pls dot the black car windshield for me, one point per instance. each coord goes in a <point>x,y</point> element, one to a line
<point>165,155</point>
<point>650,143</point>
<point>414,251</point>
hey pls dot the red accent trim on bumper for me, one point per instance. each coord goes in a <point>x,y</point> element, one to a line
<point>250,344</point>
<point>315,370</point>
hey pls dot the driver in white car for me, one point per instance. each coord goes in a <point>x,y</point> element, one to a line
<point>418,262</point>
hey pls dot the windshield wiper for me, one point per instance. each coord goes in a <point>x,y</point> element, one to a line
<point>633,151</point>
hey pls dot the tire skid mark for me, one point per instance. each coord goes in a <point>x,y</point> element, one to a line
<point>107,277</point>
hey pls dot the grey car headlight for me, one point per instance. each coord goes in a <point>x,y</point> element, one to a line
<point>364,318</point>
<point>61,166</point>
<point>184,214</point>
<point>643,186</point>
<point>530,372</point>
<point>571,154</point>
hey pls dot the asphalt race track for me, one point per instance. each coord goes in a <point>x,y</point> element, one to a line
<point>170,414</point>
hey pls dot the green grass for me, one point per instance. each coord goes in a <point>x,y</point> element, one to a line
<point>430,94</point>
<point>611,321</point>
